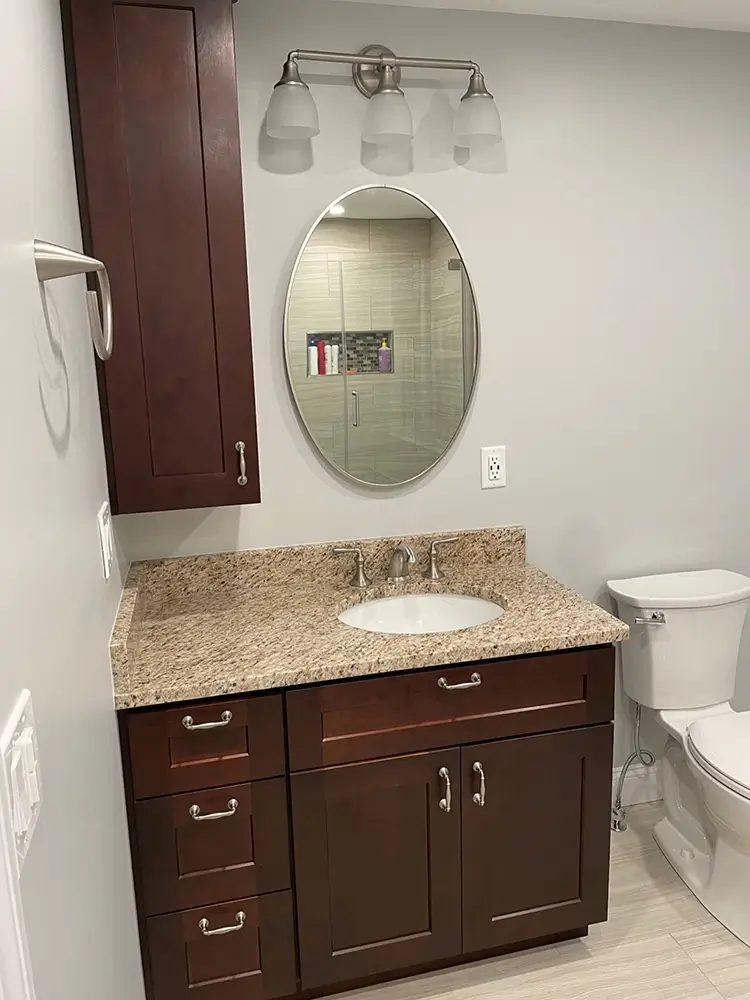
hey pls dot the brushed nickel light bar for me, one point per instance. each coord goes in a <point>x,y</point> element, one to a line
<point>376,71</point>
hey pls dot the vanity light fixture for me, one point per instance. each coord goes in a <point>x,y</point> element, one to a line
<point>377,74</point>
<point>291,111</point>
<point>477,120</point>
<point>337,209</point>
<point>388,118</point>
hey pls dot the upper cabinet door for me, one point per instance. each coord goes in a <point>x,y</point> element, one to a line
<point>154,106</point>
<point>535,844</point>
<point>378,869</point>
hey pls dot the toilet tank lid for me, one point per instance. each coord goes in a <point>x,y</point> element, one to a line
<point>700,588</point>
<point>724,742</point>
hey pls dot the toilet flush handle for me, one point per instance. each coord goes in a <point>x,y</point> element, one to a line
<point>657,618</point>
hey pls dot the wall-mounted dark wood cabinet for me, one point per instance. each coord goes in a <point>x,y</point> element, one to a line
<point>154,110</point>
<point>356,831</point>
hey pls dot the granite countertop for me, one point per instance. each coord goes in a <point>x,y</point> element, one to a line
<point>203,626</point>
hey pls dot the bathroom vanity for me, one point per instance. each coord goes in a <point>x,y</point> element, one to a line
<point>313,806</point>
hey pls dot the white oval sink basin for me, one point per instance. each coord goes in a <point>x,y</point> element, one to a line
<point>415,614</point>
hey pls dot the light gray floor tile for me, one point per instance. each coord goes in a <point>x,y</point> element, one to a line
<point>722,957</point>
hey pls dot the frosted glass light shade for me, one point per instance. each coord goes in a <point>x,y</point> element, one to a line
<point>388,119</point>
<point>292,113</point>
<point>477,121</point>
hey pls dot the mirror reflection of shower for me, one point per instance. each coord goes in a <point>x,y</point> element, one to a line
<point>468,327</point>
<point>381,336</point>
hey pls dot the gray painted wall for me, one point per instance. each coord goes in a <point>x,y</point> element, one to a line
<point>56,612</point>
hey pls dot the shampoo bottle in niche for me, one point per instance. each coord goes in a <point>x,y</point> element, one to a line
<point>321,357</point>
<point>312,360</point>
<point>328,359</point>
<point>384,357</point>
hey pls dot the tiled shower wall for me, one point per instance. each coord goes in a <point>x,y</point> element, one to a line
<point>380,274</point>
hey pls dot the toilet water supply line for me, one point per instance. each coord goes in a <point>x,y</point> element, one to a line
<point>618,822</point>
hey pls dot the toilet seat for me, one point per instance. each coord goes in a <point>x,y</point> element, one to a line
<point>720,745</point>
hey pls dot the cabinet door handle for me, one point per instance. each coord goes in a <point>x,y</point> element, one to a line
<point>473,682</point>
<point>445,802</point>
<point>232,807</point>
<point>226,718</point>
<point>240,918</point>
<point>242,478</point>
<point>479,797</point>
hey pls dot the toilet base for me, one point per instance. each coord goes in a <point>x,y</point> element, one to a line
<point>720,882</point>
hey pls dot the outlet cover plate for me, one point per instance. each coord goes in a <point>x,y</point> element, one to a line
<point>106,539</point>
<point>493,467</point>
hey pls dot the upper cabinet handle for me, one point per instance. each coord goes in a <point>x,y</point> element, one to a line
<point>53,261</point>
<point>242,478</point>
<point>473,682</point>
<point>226,718</point>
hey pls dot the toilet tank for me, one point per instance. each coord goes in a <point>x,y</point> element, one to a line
<point>686,657</point>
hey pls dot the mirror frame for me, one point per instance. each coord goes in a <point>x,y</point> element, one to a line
<point>335,469</point>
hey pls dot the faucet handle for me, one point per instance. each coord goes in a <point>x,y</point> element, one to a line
<point>433,570</point>
<point>360,580</point>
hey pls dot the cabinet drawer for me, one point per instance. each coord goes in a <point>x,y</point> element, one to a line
<point>253,959</point>
<point>205,744</point>
<point>394,714</point>
<point>210,846</point>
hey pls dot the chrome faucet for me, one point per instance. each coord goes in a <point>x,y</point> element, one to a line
<point>398,568</point>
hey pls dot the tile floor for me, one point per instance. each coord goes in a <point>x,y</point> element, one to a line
<point>658,944</point>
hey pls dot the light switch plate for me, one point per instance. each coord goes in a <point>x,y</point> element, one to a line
<point>106,539</point>
<point>493,467</point>
<point>20,760</point>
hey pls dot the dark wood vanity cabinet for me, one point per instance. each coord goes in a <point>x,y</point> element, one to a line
<point>378,866</point>
<point>154,109</point>
<point>348,832</point>
<point>534,851</point>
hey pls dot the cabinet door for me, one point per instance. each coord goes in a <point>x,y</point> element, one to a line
<point>377,862</point>
<point>536,853</point>
<point>154,102</point>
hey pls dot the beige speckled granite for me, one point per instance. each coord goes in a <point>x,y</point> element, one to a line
<point>203,626</point>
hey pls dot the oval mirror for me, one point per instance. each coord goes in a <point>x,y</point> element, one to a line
<point>380,336</point>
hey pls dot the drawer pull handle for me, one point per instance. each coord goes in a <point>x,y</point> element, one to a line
<point>473,682</point>
<point>445,803</point>
<point>240,923</point>
<point>232,806</point>
<point>479,797</point>
<point>226,718</point>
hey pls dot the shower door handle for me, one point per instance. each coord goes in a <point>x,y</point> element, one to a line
<point>355,419</point>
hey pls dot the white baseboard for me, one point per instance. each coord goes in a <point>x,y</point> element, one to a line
<point>641,785</point>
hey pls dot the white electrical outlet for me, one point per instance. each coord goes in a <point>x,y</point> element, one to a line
<point>493,467</point>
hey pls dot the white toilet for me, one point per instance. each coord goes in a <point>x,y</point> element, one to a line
<point>681,659</point>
